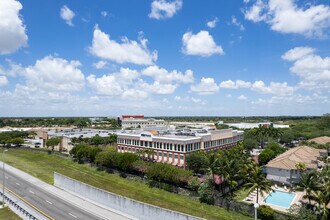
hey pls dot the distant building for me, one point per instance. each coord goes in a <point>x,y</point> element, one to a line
<point>244,125</point>
<point>283,168</point>
<point>172,147</point>
<point>138,121</point>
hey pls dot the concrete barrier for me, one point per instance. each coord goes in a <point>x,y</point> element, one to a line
<point>132,207</point>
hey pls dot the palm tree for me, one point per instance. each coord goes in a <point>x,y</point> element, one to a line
<point>308,182</point>
<point>212,165</point>
<point>257,180</point>
<point>230,172</point>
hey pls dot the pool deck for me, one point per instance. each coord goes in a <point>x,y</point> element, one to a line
<point>253,197</point>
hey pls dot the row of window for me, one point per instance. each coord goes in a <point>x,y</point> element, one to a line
<point>161,145</point>
<point>170,155</point>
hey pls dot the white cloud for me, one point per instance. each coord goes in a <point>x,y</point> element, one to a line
<point>235,22</point>
<point>177,98</point>
<point>55,74</point>
<point>229,84</point>
<point>104,13</point>
<point>100,65</point>
<point>3,81</point>
<point>201,44</point>
<point>293,100</point>
<point>242,97</point>
<point>113,84</point>
<point>162,75</point>
<point>297,53</point>
<point>228,96</point>
<point>162,9</point>
<point>67,15</point>
<point>158,88</point>
<point>287,17</point>
<point>128,51</point>
<point>213,23</point>
<point>134,94</point>
<point>310,67</point>
<point>12,30</point>
<point>207,86</point>
<point>276,88</point>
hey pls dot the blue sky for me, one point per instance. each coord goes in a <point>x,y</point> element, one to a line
<point>164,58</point>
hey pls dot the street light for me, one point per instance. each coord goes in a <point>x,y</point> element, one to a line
<point>4,177</point>
<point>256,206</point>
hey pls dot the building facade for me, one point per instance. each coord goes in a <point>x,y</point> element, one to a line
<point>172,148</point>
<point>138,121</point>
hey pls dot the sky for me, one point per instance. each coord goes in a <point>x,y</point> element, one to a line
<point>164,57</point>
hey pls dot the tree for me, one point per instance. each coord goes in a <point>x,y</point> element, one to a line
<point>257,180</point>
<point>301,166</point>
<point>52,142</point>
<point>96,140</point>
<point>265,156</point>
<point>212,165</point>
<point>307,183</point>
<point>250,144</point>
<point>17,141</point>
<point>287,136</point>
<point>196,161</point>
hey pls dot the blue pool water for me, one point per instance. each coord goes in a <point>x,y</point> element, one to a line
<point>280,198</point>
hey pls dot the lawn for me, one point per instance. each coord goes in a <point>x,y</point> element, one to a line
<point>42,166</point>
<point>241,194</point>
<point>7,214</point>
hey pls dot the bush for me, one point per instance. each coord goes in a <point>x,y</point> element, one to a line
<point>266,213</point>
<point>206,193</point>
<point>167,173</point>
<point>196,161</point>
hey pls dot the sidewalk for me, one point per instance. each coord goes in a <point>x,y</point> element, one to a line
<point>85,204</point>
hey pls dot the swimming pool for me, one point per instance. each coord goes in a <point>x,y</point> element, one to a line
<point>280,198</point>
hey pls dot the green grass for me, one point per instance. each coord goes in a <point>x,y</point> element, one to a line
<point>241,194</point>
<point>42,166</point>
<point>7,214</point>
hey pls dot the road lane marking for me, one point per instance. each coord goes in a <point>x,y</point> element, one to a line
<point>72,215</point>
<point>49,202</point>
<point>31,191</point>
<point>24,200</point>
<point>18,184</point>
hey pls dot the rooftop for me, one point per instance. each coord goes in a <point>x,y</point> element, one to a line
<point>301,154</point>
<point>321,140</point>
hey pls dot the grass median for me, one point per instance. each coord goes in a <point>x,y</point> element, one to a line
<point>42,166</point>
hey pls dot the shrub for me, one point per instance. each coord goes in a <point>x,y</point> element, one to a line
<point>266,213</point>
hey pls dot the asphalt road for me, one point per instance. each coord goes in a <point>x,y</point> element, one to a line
<point>51,205</point>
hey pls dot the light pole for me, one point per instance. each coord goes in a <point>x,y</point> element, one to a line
<point>4,177</point>
<point>256,206</point>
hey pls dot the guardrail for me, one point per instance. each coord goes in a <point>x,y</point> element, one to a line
<point>19,208</point>
<point>25,210</point>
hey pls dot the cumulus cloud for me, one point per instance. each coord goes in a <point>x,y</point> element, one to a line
<point>3,81</point>
<point>276,88</point>
<point>310,67</point>
<point>100,65</point>
<point>12,30</point>
<point>213,23</point>
<point>128,51</point>
<point>229,84</point>
<point>113,84</point>
<point>287,17</point>
<point>200,44</point>
<point>67,15</point>
<point>158,88</point>
<point>55,74</point>
<point>104,13</point>
<point>207,86</point>
<point>163,75</point>
<point>242,97</point>
<point>162,9</point>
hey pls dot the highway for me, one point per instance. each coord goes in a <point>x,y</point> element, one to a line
<point>48,203</point>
